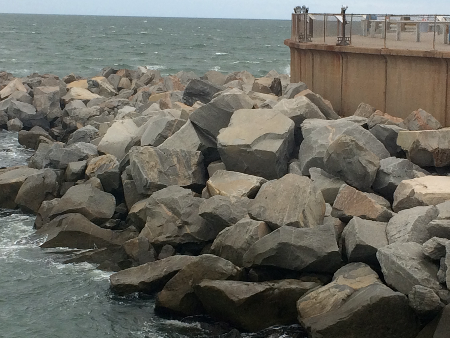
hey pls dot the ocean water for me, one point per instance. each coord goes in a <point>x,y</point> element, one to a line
<point>40,296</point>
<point>85,44</point>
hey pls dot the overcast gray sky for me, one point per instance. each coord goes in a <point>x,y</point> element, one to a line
<point>253,9</point>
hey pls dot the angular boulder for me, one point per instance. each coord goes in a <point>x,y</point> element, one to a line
<point>328,184</point>
<point>159,128</point>
<point>47,100</point>
<point>318,100</point>
<point>107,169</point>
<point>10,184</point>
<point>435,248</point>
<point>289,201</point>
<point>262,151</point>
<point>421,120</point>
<point>388,134</point>
<point>200,90</point>
<point>234,184</point>
<point>299,109</point>
<point>309,250</point>
<point>119,138</point>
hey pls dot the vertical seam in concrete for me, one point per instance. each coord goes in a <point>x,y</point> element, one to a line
<point>446,97</point>
<point>385,82</point>
<point>342,84</point>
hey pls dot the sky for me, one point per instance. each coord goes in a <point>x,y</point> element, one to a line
<point>243,9</point>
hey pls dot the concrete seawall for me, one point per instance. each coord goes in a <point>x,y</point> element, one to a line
<point>395,81</point>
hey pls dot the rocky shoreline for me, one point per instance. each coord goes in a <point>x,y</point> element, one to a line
<point>249,200</point>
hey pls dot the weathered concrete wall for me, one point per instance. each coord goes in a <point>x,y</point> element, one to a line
<point>394,81</point>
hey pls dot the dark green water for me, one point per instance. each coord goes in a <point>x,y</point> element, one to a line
<point>39,296</point>
<point>85,44</point>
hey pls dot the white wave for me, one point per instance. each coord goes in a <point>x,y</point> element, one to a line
<point>145,20</point>
<point>287,70</point>
<point>221,53</point>
<point>177,323</point>
<point>160,29</point>
<point>156,67</point>
<point>216,68</point>
<point>143,32</point>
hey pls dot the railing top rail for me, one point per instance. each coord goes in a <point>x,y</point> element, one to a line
<point>377,14</point>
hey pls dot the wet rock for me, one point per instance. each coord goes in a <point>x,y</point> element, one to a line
<point>200,90</point>
<point>178,294</point>
<point>404,265</point>
<point>216,114</point>
<point>351,202</point>
<point>289,201</point>
<point>309,250</point>
<point>426,148</point>
<point>328,184</point>
<point>392,172</point>
<point>106,169</point>
<point>388,134</point>
<point>153,169</point>
<point>223,211</point>
<point>10,184</point>
<point>262,151</point>
<point>362,240</point>
<point>36,189</point>
<point>73,230</point>
<point>119,138</point>
<point>252,306</point>
<point>421,120</point>
<point>97,206</point>
<point>434,248</point>
<point>411,225</point>
<point>105,259</point>
<point>172,218</point>
<point>426,190</point>
<point>234,184</point>
<point>233,242</point>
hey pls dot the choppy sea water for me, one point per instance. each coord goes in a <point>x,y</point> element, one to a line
<point>85,44</point>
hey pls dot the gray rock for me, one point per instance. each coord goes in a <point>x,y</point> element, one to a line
<point>97,206</point>
<point>252,306</point>
<point>392,172</point>
<point>443,327</point>
<point>119,138</point>
<point>439,228</point>
<point>43,214</point>
<point>233,242</point>
<point>318,100</point>
<point>351,202</point>
<point>14,125</point>
<point>166,251</point>
<point>404,265</point>
<point>107,169</point>
<point>293,89</point>
<point>362,240</point>
<point>447,264</point>
<point>262,151</point>
<point>234,184</point>
<point>389,313</point>
<point>27,114</point>
<point>364,110</point>
<point>178,294</point>
<point>289,201</point>
<point>200,90</point>
<point>223,211</point>
<point>36,189</point>
<point>172,218</point>
<point>215,115</point>
<point>75,171</point>
<point>3,120</point>
<point>159,128</point>
<point>76,231</point>
<point>130,192</point>
<point>426,148</point>
<point>425,302</point>
<point>442,273</point>
<point>10,184</point>
<point>421,120</point>
<point>155,168</point>
<point>59,157</point>
<point>32,138</point>
<point>359,120</point>
<point>411,225</point>
<point>47,101</point>
<point>388,134</point>
<point>299,109</point>
<point>339,161</point>
<point>328,184</point>
<point>150,277</point>
<point>426,190</point>
<point>140,250</point>
<point>434,248</point>
<point>85,134</point>
<point>308,250</point>
<point>319,134</point>
<point>215,77</point>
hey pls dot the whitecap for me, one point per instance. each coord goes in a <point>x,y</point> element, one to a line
<point>143,32</point>
<point>160,29</point>
<point>287,70</point>
<point>33,32</point>
<point>145,20</point>
<point>221,53</point>
<point>216,68</point>
<point>156,67</point>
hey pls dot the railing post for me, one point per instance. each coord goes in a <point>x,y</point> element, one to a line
<point>434,35</point>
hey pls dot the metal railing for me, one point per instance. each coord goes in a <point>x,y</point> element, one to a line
<point>414,32</point>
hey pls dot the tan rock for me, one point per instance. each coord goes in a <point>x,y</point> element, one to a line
<point>78,84</point>
<point>14,86</point>
<point>78,93</point>
<point>234,184</point>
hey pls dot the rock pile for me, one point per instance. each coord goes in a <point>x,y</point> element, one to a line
<point>247,199</point>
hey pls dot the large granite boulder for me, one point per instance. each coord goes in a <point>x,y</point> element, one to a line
<point>392,172</point>
<point>411,225</point>
<point>216,114</point>
<point>178,294</point>
<point>153,169</point>
<point>426,190</point>
<point>47,101</point>
<point>96,205</point>
<point>76,231</point>
<point>233,242</point>
<point>252,306</point>
<point>10,184</point>
<point>36,189</point>
<point>362,240</point>
<point>351,202</point>
<point>421,120</point>
<point>107,169</point>
<point>346,281</point>
<point>299,109</point>
<point>172,218</point>
<point>234,184</point>
<point>289,201</point>
<point>149,277</point>
<point>339,160</point>
<point>262,151</point>
<point>388,312</point>
<point>200,90</point>
<point>426,148</point>
<point>119,138</point>
<point>309,250</point>
<point>404,265</point>
<point>320,134</point>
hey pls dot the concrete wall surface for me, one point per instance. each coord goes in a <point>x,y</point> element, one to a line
<point>394,81</point>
